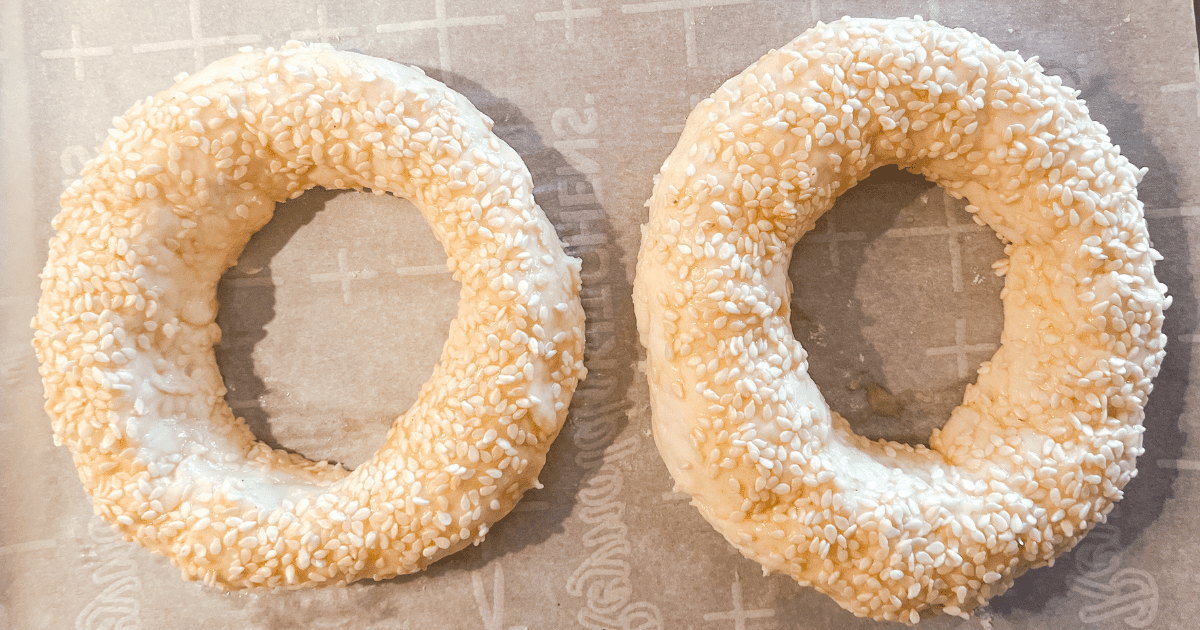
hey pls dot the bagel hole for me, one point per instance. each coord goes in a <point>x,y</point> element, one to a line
<point>332,319</point>
<point>897,304</point>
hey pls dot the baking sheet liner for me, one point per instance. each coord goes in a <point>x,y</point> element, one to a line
<point>336,311</point>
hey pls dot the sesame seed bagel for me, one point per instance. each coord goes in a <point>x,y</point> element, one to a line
<point>125,327</point>
<point>1045,439</point>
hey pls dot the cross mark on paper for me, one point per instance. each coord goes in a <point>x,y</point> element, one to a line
<point>443,24</point>
<point>344,274</point>
<point>961,348</point>
<point>689,18</point>
<point>739,615</point>
<point>951,230</point>
<point>77,51</point>
<point>568,15</point>
<point>323,32</point>
<point>833,237</point>
<point>198,41</point>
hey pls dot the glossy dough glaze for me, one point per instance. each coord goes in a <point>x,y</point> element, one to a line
<point>1045,439</point>
<point>125,327</point>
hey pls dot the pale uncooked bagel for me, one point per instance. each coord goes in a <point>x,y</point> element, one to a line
<point>125,327</point>
<point>1048,435</point>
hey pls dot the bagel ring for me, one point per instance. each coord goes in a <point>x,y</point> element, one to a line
<point>125,326</point>
<point>1046,438</point>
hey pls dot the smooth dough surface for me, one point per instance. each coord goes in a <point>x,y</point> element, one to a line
<point>125,327</point>
<point>1045,439</point>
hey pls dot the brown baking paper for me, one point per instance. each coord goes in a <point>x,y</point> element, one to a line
<point>336,312</point>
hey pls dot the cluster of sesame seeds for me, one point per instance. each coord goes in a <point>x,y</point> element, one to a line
<point>125,326</point>
<point>1044,440</point>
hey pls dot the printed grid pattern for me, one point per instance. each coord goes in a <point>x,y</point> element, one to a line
<point>456,35</point>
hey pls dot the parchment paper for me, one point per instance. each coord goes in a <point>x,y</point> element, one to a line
<point>336,312</point>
